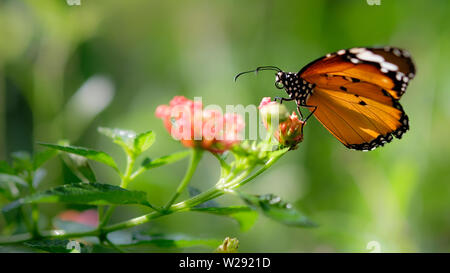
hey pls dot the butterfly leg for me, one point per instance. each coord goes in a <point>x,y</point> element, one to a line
<point>299,112</point>
<point>310,114</point>
<point>283,99</point>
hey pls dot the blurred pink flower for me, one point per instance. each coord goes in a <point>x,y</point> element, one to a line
<point>194,127</point>
<point>87,217</point>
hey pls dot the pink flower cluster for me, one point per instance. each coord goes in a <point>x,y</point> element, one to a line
<point>195,127</point>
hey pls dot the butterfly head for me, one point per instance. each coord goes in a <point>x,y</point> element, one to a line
<point>287,80</point>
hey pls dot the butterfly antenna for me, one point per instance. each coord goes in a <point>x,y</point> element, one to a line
<point>242,73</point>
<point>268,67</point>
<point>260,68</point>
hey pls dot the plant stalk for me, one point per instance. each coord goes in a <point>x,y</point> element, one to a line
<point>195,159</point>
<point>124,184</point>
<point>207,195</point>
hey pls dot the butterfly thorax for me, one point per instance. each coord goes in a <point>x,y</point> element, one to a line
<point>295,86</point>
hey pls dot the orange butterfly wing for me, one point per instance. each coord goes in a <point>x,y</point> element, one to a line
<point>356,93</point>
<point>389,68</point>
<point>360,123</point>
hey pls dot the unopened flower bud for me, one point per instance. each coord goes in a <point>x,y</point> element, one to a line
<point>229,245</point>
<point>287,129</point>
<point>290,131</point>
<point>272,112</point>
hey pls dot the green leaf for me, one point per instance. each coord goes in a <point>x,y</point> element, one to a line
<point>273,207</point>
<point>9,189</point>
<point>68,176</point>
<point>18,248</point>
<point>10,186</point>
<point>14,218</point>
<point>99,156</point>
<point>40,158</point>
<point>168,159</point>
<point>168,241</point>
<point>22,162</point>
<point>5,168</point>
<point>9,192</point>
<point>84,193</point>
<point>58,246</point>
<point>130,141</point>
<point>38,176</point>
<point>245,216</point>
<point>6,178</point>
<point>80,167</point>
<point>124,138</point>
<point>143,141</point>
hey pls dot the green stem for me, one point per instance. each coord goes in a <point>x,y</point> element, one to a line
<point>137,173</point>
<point>61,234</point>
<point>35,219</point>
<point>124,184</point>
<point>2,114</point>
<point>28,224</point>
<point>100,210</point>
<point>212,193</point>
<point>34,208</point>
<point>268,164</point>
<point>196,200</point>
<point>15,239</point>
<point>53,234</point>
<point>128,171</point>
<point>195,159</point>
<point>112,245</point>
<point>185,205</point>
<point>209,194</point>
<point>106,216</point>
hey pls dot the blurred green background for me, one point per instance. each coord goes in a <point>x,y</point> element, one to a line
<point>65,70</point>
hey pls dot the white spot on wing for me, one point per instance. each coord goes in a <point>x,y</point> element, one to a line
<point>371,57</point>
<point>357,50</point>
<point>389,66</point>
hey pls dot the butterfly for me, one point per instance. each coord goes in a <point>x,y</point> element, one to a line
<point>354,93</point>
